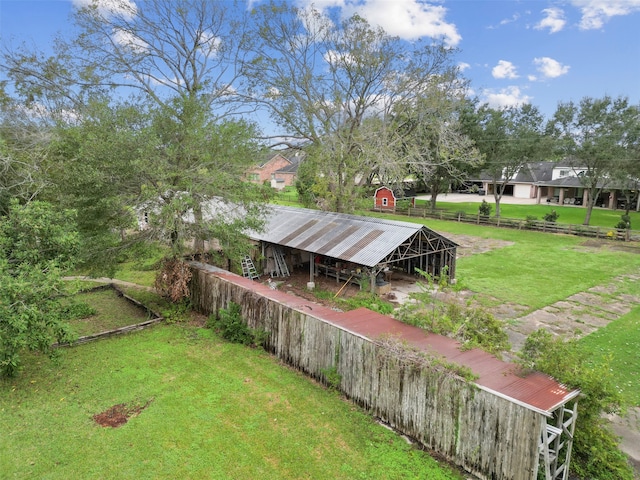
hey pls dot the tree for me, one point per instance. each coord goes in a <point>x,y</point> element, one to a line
<point>437,150</point>
<point>595,136</point>
<point>507,138</point>
<point>37,243</point>
<point>177,136</point>
<point>327,83</point>
<point>24,148</point>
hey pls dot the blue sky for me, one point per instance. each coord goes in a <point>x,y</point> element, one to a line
<point>536,51</point>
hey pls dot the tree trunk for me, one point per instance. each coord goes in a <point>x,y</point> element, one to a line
<point>432,202</point>
<point>198,241</point>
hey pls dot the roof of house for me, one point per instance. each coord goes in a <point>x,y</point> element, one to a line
<point>295,160</point>
<point>362,240</point>
<point>266,157</point>
<point>535,172</point>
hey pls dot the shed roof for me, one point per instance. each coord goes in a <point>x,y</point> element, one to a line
<point>362,240</point>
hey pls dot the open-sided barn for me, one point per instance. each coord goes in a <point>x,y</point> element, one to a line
<point>350,247</point>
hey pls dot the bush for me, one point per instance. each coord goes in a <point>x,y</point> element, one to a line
<point>473,327</point>
<point>403,205</point>
<point>484,209</point>
<point>595,447</point>
<point>230,325</point>
<point>370,301</point>
<point>624,223</point>
<point>551,216</point>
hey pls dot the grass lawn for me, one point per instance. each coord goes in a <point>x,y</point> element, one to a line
<point>600,217</point>
<point>537,269</point>
<point>112,311</point>
<point>618,343</point>
<point>214,410</point>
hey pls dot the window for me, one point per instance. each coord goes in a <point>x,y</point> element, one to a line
<point>385,202</point>
<point>564,173</point>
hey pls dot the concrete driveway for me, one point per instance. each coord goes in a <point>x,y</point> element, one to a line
<point>474,197</point>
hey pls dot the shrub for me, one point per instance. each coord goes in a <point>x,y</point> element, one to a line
<point>484,209</point>
<point>595,447</point>
<point>473,327</point>
<point>551,216</point>
<point>370,301</point>
<point>177,312</point>
<point>332,377</point>
<point>230,325</point>
<point>624,223</point>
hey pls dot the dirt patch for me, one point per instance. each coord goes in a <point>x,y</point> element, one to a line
<point>119,414</point>
<point>470,245</point>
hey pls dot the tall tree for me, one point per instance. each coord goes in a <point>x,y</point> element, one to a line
<point>437,150</point>
<point>324,81</point>
<point>596,136</point>
<point>177,63</point>
<point>37,243</point>
<point>507,138</point>
<point>24,148</point>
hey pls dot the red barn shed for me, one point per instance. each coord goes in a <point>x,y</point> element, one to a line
<point>384,199</point>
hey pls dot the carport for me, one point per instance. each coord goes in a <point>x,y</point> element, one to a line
<point>350,248</point>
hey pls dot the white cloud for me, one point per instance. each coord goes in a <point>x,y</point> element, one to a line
<point>407,19</point>
<point>596,12</point>
<point>130,41</point>
<point>504,69</point>
<point>550,68</point>
<point>553,20</point>
<point>507,21</point>
<point>506,97</point>
<point>125,9</point>
<point>463,66</point>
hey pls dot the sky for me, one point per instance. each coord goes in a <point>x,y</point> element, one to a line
<point>513,51</point>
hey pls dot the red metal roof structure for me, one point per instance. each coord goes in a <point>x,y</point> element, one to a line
<point>536,391</point>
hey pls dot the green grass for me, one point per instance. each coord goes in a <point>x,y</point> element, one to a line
<point>216,410</point>
<point>600,217</point>
<point>538,269</point>
<point>112,311</point>
<point>617,344</point>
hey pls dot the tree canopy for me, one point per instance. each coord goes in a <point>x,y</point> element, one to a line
<point>151,126</point>
<point>597,137</point>
<point>333,84</point>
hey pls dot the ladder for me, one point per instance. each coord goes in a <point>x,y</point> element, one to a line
<point>281,265</point>
<point>248,268</point>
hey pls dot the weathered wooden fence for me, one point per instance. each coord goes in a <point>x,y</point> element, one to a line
<point>535,225</point>
<point>487,435</point>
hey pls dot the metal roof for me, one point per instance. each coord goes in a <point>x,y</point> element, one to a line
<point>533,390</point>
<point>361,240</point>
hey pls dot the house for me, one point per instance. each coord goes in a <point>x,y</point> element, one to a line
<point>268,164</point>
<point>552,183</point>
<point>286,176</point>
